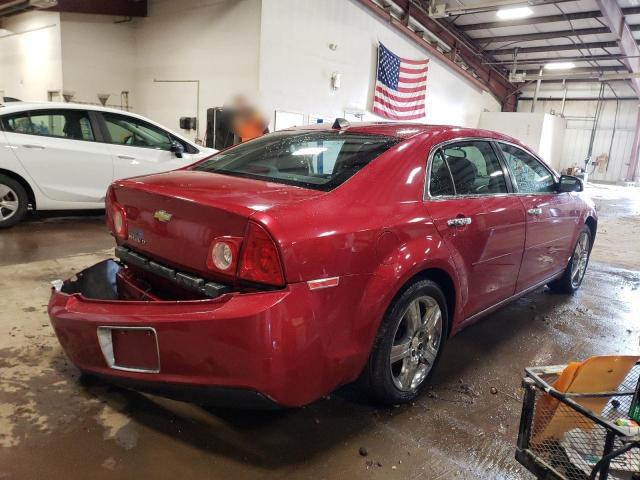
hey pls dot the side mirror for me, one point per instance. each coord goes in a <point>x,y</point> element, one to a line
<point>569,183</point>
<point>177,148</point>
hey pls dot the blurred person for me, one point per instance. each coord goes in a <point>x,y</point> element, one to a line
<point>246,120</point>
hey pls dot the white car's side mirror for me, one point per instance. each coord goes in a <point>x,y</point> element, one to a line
<point>177,148</point>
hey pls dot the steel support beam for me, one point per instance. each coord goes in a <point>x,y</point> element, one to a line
<point>539,60</point>
<point>530,21</point>
<point>488,78</point>
<point>580,80</point>
<point>492,6</point>
<point>537,91</point>
<point>588,76</point>
<point>497,82</point>
<point>614,68</point>
<point>564,97</point>
<point>120,8</point>
<point>576,99</point>
<point>546,19</point>
<point>467,50</point>
<point>529,37</point>
<point>553,48</point>
<point>613,16</point>
<point>632,171</point>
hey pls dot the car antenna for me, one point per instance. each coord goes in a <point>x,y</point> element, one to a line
<point>340,123</point>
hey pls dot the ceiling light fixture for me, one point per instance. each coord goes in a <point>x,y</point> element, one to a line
<point>513,13</point>
<point>560,66</point>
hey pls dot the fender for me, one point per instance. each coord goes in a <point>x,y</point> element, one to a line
<point>401,262</point>
<point>588,212</point>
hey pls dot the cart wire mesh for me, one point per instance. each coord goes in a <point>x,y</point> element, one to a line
<point>574,436</point>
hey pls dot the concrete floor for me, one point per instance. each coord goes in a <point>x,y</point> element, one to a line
<point>54,427</point>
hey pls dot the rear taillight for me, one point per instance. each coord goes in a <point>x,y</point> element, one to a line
<point>260,260</point>
<point>223,254</point>
<point>116,216</point>
<point>119,223</point>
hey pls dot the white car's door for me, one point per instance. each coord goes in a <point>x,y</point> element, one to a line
<point>140,148</point>
<point>58,149</point>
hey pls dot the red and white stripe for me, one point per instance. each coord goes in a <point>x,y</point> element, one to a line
<point>407,102</point>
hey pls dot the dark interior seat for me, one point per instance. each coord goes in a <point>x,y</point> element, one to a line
<point>496,184</point>
<point>441,182</point>
<point>464,174</point>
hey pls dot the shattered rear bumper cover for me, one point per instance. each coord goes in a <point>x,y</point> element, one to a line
<point>250,349</point>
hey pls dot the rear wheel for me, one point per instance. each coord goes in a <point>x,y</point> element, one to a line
<point>13,201</point>
<point>572,277</point>
<point>408,344</point>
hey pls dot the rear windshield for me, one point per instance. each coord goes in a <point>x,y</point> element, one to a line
<point>320,160</point>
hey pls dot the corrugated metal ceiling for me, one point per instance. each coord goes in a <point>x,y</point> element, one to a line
<point>502,37</point>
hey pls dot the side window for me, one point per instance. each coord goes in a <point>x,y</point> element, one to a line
<point>530,175</point>
<point>17,123</point>
<point>475,168</point>
<point>136,133</point>
<point>72,124</point>
<point>440,183</point>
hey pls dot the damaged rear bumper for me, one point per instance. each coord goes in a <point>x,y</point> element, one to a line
<point>239,349</point>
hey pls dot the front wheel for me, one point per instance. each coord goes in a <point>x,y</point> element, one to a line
<point>408,344</point>
<point>573,275</point>
<point>13,201</point>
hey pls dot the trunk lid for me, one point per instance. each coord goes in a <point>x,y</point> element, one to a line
<point>173,217</point>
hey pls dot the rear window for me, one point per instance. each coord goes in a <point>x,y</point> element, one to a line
<point>319,160</point>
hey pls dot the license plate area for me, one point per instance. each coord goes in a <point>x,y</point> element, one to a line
<point>131,349</point>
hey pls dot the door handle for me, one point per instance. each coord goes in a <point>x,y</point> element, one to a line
<point>33,145</point>
<point>126,157</point>
<point>535,211</point>
<point>459,221</point>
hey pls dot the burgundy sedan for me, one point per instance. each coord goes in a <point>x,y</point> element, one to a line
<point>277,270</point>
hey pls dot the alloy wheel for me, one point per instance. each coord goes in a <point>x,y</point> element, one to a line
<point>9,202</point>
<point>416,343</point>
<point>579,260</point>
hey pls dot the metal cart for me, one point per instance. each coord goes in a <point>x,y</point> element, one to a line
<point>561,439</point>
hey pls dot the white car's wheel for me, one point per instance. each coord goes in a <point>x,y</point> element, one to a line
<point>13,202</point>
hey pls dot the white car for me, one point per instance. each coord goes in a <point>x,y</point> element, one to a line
<point>63,156</point>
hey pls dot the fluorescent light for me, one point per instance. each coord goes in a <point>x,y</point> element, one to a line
<point>560,66</point>
<point>513,13</point>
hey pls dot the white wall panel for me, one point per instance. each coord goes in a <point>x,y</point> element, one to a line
<point>30,56</point>
<point>98,56</point>
<point>214,41</point>
<point>579,115</point>
<point>543,133</point>
<point>296,63</point>
<point>277,50</point>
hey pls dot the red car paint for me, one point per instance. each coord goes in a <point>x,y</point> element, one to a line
<point>373,233</point>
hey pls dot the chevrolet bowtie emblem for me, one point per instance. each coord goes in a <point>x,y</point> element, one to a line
<point>162,216</point>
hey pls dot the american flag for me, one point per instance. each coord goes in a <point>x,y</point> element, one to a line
<point>400,86</point>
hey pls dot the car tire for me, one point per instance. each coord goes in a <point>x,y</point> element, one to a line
<point>14,202</point>
<point>573,275</point>
<point>405,352</point>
